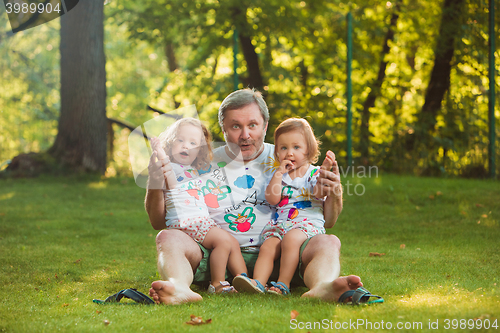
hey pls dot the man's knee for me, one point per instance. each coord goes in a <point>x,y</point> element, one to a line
<point>167,236</point>
<point>330,241</point>
<point>321,245</point>
<point>175,240</point>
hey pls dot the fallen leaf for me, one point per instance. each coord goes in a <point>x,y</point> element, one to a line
<point>56,276</point>
<point>484,215</point>
<point>376,254</point>
<point>198,321</point>
<point>77,261</point>
<point>431,197</point>
<point>97,311</point>
<point>65,304</point>
<point>478,222</point>
<point>294,314</point>
<point>402,246</point>
<point>439,193</point>
<point>479,205</point>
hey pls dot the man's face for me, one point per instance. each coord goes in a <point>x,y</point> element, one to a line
<point>244,131</point>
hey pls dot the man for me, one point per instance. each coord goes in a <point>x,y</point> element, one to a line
<point>235,186</point>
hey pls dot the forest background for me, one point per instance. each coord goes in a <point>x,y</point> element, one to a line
<point>419,76</point>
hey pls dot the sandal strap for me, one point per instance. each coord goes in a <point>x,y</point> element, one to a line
<point>360,296</point>
<point>281,286</point>
<point>226,288</point>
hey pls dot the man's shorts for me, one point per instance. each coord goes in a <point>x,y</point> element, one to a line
<point>202,273</point>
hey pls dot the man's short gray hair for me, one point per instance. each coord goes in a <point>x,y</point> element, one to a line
<point>241,98</point>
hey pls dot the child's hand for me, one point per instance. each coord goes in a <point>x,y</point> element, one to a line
<point>156,146</point>
<point>163,164</point>
<point>328,182</point>
<point>329,161</point>
<point>285,166</point>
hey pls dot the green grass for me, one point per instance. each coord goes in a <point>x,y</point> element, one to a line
<point>65,241</point>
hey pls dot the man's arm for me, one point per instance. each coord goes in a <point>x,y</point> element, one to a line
<point>328,184</point>
<point>332,207</point>
<point>155,207</point>
<point>155,201</point>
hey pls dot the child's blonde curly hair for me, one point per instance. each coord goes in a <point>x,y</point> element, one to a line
<point>167,138</point>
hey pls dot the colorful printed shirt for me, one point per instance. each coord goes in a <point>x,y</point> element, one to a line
<point>235,194</point>
<point>297,201</point>
<point>186,199</point>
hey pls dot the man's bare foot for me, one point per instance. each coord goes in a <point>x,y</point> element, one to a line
<point>331,291</point>
<point>165,292</point>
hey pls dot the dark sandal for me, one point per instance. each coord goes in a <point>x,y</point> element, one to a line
<point>133,294</point>
<point>359,296</point>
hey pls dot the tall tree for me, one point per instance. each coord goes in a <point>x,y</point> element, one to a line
<point>376,86</point>
<point>81,139</point>
<point>439,82</point>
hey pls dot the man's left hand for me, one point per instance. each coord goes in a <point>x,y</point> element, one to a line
<point>329,176</point>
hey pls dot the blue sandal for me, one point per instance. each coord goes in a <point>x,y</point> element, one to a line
<point>359,296</point>
<point>281,286</point>
<point>244,284</point>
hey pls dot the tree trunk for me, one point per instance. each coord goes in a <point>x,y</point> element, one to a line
<point>375,89</point>
<point>82,132</point>
<point>254,73</point>
<point>439,81</point>
<point>172,64</point>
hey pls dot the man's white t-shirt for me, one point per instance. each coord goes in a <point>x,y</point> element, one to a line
<point>234,193</point>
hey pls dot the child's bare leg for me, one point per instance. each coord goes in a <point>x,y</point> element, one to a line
<point>290,253</point>
<point>236,263</point>
<point>219,242</point>
<point>269,252</point>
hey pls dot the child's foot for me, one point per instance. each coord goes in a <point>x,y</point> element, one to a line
<point>244,284</point>
<point>221,288</point>
<point>279,288</point>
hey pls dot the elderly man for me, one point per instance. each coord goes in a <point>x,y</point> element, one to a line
<point>235,185</point>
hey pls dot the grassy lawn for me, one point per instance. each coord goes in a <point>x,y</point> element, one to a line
<point>65,241</point>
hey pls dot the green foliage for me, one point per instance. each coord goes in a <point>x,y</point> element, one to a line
<point>66,241</point>
<point>172,53</point>
<point>29,97</point>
